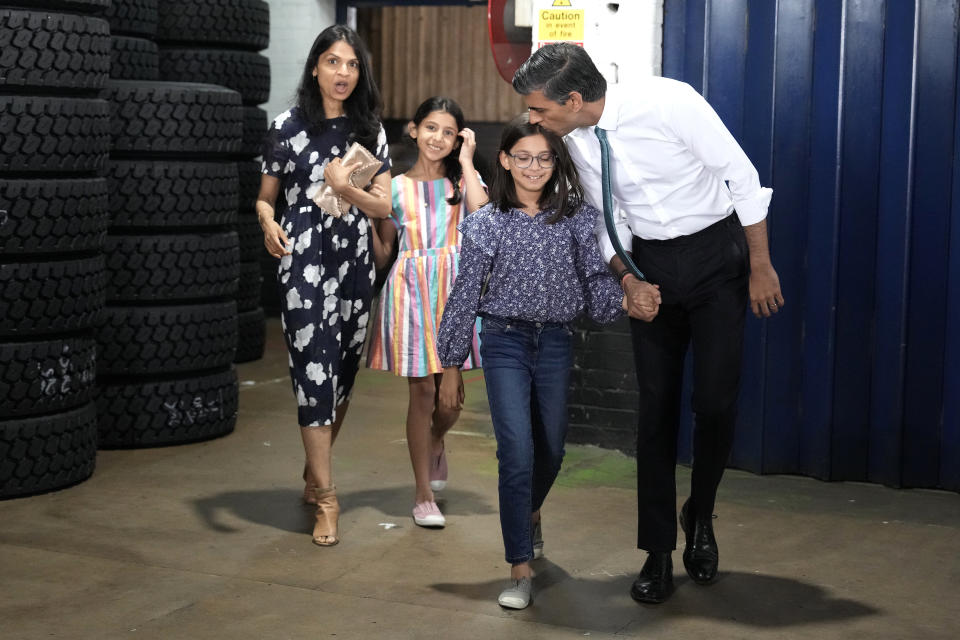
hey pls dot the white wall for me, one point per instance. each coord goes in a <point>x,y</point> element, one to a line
<point>294,24</point>
<point>624,39</point>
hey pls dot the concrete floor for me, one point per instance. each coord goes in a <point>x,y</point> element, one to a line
<point>210,541</point>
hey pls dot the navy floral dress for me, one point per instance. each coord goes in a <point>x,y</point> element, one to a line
<point>326,284</point>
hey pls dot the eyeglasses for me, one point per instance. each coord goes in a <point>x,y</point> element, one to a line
<point>524,160</point>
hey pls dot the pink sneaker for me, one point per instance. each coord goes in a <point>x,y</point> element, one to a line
<point>427,514</point>
<point>438,470</point>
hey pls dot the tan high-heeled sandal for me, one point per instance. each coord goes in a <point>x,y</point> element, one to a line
<point>309,488</point>
<point>328,514</point>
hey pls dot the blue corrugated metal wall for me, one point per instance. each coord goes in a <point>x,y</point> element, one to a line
<point>850,110</point>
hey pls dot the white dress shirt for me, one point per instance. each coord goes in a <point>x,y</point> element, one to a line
<point>671,160</point>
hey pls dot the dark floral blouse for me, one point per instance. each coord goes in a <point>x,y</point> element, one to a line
<point>539,272</point>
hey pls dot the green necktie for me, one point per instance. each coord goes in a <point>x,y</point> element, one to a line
<point>608,204</point>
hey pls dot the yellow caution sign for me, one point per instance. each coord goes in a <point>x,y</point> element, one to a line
<point>561,25</point>
<point>561,3</point>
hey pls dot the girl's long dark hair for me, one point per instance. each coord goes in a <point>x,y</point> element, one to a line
<point>562,191</point>
<point>362,107</point>
<point>451,164</point>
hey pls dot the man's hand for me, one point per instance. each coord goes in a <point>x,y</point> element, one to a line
<point>765,296</point>
<point>643,298</point>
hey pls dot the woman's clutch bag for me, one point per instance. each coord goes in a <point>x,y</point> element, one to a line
<point>328,199</point>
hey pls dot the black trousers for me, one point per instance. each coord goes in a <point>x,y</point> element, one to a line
<point>703,282</point>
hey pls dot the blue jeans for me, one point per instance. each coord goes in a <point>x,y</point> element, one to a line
<point>526,366</point>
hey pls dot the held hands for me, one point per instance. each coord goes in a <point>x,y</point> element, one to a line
<point>642,299</point>
<point>274,238</point>
<point>337,175</point>
<point>765,296</point>
<point>469,146</point>
<point>451,389</point>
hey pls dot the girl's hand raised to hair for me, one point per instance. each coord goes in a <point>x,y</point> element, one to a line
<point>451,389</point>
<point>469,145</point>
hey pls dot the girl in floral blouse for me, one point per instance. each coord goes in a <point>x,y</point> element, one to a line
<point>529,265</point>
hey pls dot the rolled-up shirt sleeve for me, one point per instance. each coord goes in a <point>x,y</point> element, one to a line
<point>455,334</point>
<point>601,292</point>
<point>695,121</point>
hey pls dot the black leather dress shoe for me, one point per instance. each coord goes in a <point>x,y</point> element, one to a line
<point>655,582</point>
<point>701,556</point>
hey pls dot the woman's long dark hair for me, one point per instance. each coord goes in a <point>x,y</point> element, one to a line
<point>362,106</point>
<point>562,191</point>
<point>451,164</point>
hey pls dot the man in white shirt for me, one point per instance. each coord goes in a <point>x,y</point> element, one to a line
<point>688,203</point>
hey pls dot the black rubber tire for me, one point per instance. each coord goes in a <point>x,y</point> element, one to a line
<point>248,172</point>
<point>73,6</point>
<point>148,194</point>
<point>238,23</point>
<point>46,375</point>
<point>47,452</point>
<point>134,59</point>
<point>254,130</point>
<point>166,339</point>
<point>152,268</point>
<point>251,335</point>
<point>47,297</point>
<point>248,291</point>
<point>243,71</point>
<point>251,236</point>
<point>45,133</point>
<point>133,17</point>
<point>153,413</point>
<point>53,216</point>
<point>173,117</point>
<point>53,50</point>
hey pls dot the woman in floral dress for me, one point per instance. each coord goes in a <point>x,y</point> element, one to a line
<point>326,269</point>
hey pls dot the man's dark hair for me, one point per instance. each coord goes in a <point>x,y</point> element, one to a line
<point>556,70</point>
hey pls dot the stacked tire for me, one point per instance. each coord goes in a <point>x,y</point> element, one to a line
<point>133,30</point>
<point>54,140</point>
<point>218,42</point>
<point>168,336</point>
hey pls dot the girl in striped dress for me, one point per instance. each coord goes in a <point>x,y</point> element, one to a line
<point>429,201</point>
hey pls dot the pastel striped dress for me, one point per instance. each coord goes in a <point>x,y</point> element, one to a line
<point>405,332</point>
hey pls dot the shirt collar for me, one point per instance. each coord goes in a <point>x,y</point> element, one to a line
<point>609,119</point>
